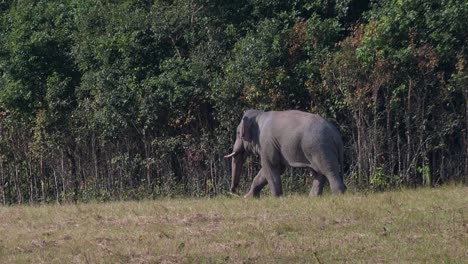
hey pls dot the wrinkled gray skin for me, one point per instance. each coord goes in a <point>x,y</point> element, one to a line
<point>288,138</point>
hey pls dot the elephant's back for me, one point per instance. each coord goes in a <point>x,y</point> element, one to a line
<point>300,123</point>
<point>312,130</point>
<point>296,134</point>
<point>296,116</point>
<point>322,131</point>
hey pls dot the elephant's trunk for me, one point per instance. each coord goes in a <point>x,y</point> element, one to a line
<point>237,162</point>
<point>237,167</point>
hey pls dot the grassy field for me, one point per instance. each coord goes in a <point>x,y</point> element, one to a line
<point>424,225</point>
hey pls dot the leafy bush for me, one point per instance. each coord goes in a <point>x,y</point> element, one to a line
<point>135,98</point>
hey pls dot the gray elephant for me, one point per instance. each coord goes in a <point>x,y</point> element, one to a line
<point>288,138</point>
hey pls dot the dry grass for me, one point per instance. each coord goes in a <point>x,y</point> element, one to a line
<point>425,225</point>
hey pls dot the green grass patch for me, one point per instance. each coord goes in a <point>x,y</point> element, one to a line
<point>423,225</point>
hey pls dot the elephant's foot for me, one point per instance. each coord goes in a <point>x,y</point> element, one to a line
<point>338,187</point>
<point>251,195</point>
<point>313,194</point>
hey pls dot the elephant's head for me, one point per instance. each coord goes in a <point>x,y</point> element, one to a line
<point>247,132</point>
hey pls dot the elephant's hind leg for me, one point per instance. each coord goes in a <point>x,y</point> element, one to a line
<point>336,182</point>
<point>257,185</point>
<point>318,182</point>
<point>327,164</point>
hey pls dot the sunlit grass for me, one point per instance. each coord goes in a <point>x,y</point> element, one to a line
<point>424,225</point>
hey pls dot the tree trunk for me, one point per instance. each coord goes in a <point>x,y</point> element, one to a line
<point>409,153</point>
<point>57,196</point>
<point>72,172</point>
<point>2,183</point>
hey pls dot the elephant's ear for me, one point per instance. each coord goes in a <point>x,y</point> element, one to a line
<point>246,132</point>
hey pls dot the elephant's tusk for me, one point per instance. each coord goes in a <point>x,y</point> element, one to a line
<point>230,155</point>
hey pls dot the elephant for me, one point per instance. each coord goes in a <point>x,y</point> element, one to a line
<point>288,138</point>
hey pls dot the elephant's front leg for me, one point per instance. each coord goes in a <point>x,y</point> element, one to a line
<point>273,176</point>
<point>257,185</point>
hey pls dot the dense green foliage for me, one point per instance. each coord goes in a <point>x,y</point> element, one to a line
<point>139,98</point>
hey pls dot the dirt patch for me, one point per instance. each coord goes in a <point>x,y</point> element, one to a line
<point>201,218</point>
<point>130,221</point>
<point>103,240</point>
<point>169,259</point>
<point>142,259</point>
<point>40,243</point>
<point>200,225</point>
<point>217,247</point>
<point>354,236</point>
<point>343,222</point>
